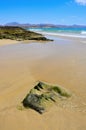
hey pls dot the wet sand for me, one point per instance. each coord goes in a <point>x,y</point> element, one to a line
<point>62,62</point>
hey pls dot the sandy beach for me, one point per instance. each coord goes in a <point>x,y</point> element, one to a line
<point>7,42</point>
<point>61,62</point>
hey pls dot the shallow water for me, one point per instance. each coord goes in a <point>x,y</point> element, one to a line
<point>75,32</point>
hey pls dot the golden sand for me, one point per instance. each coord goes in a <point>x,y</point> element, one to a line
<point>7,42</point>
<point>22,65</point>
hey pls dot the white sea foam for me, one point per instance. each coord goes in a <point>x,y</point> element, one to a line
<point>35,30</point>
<point>64,35</point>
<point>71,35</point>
<point>83,32</point>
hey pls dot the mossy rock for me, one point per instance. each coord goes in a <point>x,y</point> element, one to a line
<point>15,33</point>
<point>41,94</point>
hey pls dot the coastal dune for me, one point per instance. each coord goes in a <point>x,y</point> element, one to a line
<point>62,62</point>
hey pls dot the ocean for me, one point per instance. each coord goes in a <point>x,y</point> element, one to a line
<point>67,32</point>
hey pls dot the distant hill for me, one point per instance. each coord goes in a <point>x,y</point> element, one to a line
<point>12,24</point>
<point>28,25</point>
<point>17,24</point>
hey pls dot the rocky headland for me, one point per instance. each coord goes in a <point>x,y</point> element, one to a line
<point>20,34</point>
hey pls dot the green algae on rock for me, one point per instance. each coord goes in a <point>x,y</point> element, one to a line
<point>42,94</point>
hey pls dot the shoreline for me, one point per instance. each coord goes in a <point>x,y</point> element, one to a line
<point>64,36</point>
<point>4,42</point>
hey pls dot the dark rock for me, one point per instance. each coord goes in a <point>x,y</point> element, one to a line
<point>41,94</point>
<point>33,101</point>
<point>18,33</point>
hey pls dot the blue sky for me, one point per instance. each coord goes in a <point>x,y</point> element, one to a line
<point>43,11</point>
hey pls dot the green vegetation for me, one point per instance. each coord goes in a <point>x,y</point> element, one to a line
<point>18,33</point>
<point>39,96</point>
<point>61,91</point>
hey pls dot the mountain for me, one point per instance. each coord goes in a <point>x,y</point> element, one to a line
<point>27,25</point>
<point>17,24</point>
<point>12,24</point>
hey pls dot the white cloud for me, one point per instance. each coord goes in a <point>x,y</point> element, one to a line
<point>82,2</point>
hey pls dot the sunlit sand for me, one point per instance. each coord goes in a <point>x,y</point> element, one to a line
<point>7,42</point>
<point>62,62</point>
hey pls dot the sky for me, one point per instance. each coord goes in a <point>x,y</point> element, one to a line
<point>66,12</point>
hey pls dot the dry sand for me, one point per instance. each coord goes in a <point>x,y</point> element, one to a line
<point>61,62</point>
<point>7,42</point>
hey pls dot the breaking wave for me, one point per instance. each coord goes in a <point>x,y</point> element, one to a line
<point>64,33</point>
<point>83,32</point>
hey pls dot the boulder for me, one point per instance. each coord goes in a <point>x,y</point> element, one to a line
<point>39,96</point>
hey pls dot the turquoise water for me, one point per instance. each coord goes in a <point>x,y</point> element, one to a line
<point>72,32</point>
